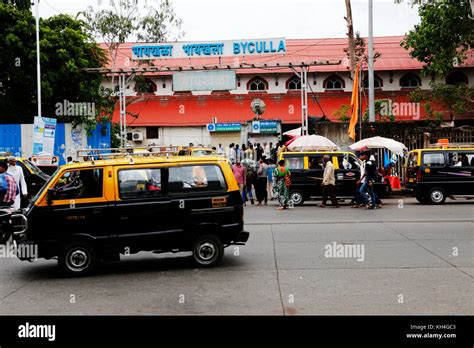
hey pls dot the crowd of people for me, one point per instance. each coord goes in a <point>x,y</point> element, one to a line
<point>261,176</point>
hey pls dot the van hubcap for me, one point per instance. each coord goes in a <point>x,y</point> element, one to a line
<point>437,196</point>
<point>78,260</point>
<point>206,251</point>
<point>296,197</point>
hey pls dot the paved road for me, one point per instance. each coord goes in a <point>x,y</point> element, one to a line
<point>417,260</point>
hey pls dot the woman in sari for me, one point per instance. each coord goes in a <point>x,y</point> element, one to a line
<point>281,176</point>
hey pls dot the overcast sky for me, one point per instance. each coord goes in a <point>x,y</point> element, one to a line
<point>245,19</point>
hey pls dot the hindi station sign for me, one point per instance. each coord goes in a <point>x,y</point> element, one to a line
<point>227,48</point>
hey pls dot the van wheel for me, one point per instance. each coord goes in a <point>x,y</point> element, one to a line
<point>208,250</point>
<point>77,259</point>
<point>437,196</point>
<point>422,199</point>
<point>297,197</point>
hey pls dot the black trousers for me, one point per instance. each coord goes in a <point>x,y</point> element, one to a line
<point>329,190</point>
<point>261,189</point>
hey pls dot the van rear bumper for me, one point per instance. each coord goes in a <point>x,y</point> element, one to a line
<point>242,238</point>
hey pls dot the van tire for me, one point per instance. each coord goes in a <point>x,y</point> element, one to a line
<point>208,250</point>
<point>77,259</point>
<point>423,199</point>
<point>437,196</point>
<point>299,197</point>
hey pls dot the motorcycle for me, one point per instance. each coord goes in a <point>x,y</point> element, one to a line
<point>12,223</point>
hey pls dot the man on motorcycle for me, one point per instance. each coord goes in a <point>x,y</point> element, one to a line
<point>8,187</point>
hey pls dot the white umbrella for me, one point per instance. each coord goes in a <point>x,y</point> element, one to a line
<point>380,143</point>
<point>294,132</point>
<point>312,143</point>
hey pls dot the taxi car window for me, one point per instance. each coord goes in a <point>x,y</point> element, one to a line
<point>433,159</point>
<point>77,184</point>
<point>196,178</point>
<point>347,162</point>
<point>315,162</point>
<point>139,183</point>
<point>461,159</point>
<point>412,159</point>
<point>294,162</point>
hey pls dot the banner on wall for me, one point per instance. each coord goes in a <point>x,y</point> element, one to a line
<point>44,130</point>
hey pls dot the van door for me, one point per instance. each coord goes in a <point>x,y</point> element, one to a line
<point>143,209</point>
<point>461,172</point>
<point>433,171</point>
<point>347,174</point>
<point>314,174</point>
<point>299,181</point>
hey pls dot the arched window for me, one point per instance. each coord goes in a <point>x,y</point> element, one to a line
<point>410,80</point>
<point>294,83</point>
<point>334,82</point>
<point>145,86</point>
<point>456,78</point>
<point>378,82</point>
<point>257,84</point>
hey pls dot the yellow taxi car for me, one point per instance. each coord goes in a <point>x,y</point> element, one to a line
<point>98,209</point>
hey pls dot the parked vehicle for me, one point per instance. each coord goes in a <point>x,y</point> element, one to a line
<point>94,211</point>
<point>197,151</point>
<point>35,178</point>
<point>307,174</point>
<point>437,173</point>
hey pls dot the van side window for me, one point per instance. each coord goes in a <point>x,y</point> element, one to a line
<point>294,162</point>
<point>433,159</point>
<point>347,162</point>
<point>139,183</point>
<point>77,184</point>
<point>461,159</point>
<point>196,178</point>
<point>315,162</point>
<point>412,159</point>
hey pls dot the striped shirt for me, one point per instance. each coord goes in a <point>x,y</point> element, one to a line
<point>10,194</point>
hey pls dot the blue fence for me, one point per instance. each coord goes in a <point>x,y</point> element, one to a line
<point>10,138</point>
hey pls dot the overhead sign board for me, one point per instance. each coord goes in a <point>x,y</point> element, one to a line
<point>216,80</point>
<point>228,48</point>
<point>264,127</point>
<point>224,127</point>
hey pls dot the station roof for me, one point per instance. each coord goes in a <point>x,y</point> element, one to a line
<point>393,57</point>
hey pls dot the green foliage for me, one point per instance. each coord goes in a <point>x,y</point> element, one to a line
<point>444,35</point>
<point>383,113</point>
<point>65,50</point>
<point>456,99</point>
<point>343,113</point>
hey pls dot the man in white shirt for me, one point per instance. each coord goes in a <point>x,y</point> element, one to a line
<point>220,150</point>
<point>19,177</point>
<point>230,153</point>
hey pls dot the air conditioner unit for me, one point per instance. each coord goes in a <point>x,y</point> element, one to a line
<point>137,136</point>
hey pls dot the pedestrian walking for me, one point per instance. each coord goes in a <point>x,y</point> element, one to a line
<point>239,173</point>
<point>329,183</point>
<point>249,153</point>
<point>258,152</point>
<point>262,174</point>
<point>367,182</point>
<point>8,187</point>
<point>230,153</point>
<point>250,174</point>
<point>19,176</point>
<point>282,177</point>
<point>271,169</point>
<point>220,150</point>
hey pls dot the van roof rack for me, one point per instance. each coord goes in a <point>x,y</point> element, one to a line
<point>451,145</point>
<point>108,153</point>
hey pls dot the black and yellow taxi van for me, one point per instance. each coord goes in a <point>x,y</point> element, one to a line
<point>94,211</point>
<point>197,151</point>
<point>445,170</point>
<point>35,178</point>
<point>307,174</point>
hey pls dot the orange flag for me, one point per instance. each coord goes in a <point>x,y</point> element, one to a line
<point>355,105</point>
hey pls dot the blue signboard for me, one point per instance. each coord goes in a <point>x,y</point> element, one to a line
<point>224,127</point>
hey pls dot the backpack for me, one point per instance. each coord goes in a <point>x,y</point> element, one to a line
<point>4,185</point>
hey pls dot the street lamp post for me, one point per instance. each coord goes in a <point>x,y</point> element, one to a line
<point>371,66</point>
<point>38,66</point>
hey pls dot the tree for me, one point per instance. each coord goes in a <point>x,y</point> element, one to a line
<point>443,36</point>
<point>350,35</point>
<point>65,50</point>
<point>132,19</point>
